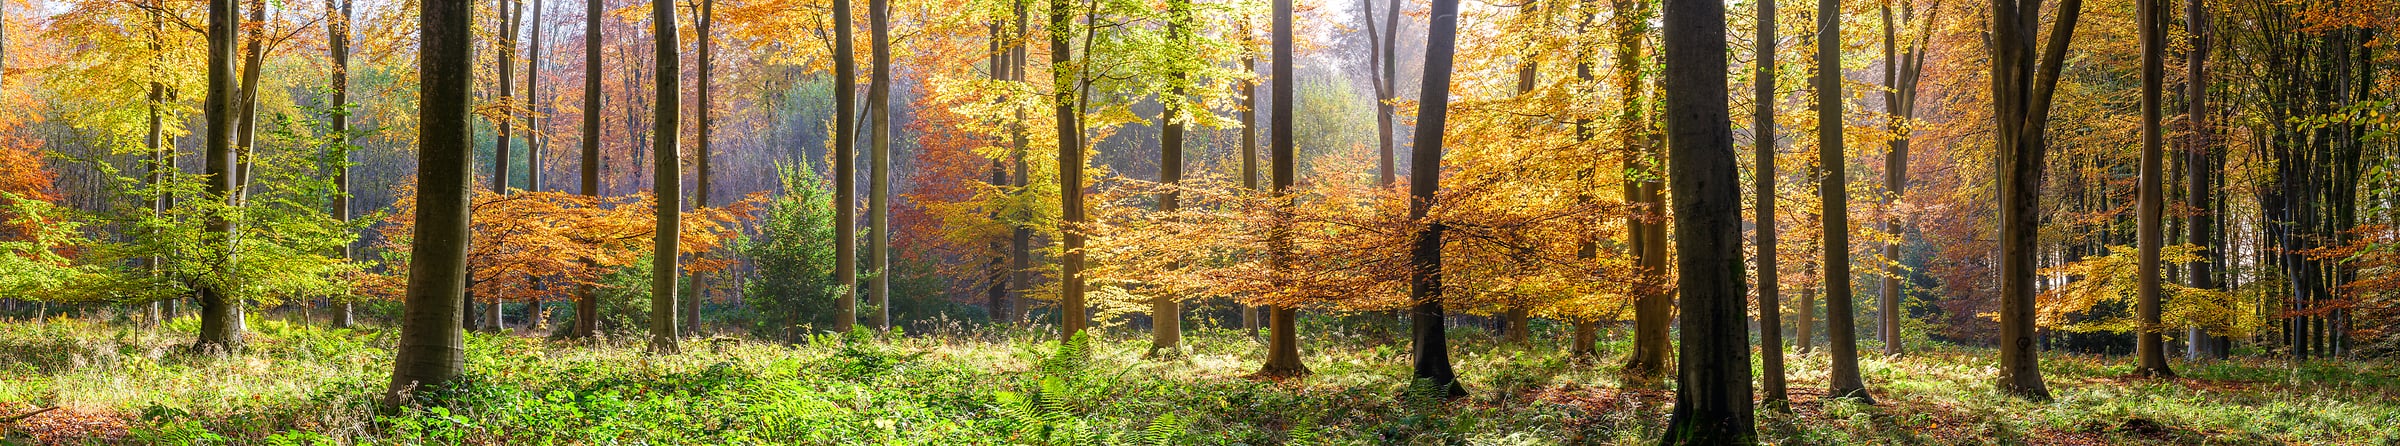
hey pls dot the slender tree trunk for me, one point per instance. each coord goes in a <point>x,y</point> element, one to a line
<point>1762,131</point>
<point>1073,314</point>
<point>218,329</point>
<point>845,175</point>
<point>1712,387</point>
<point>879,178</point>
<point>1166,312</point>
<point>707,21</point>
<point>1654,303</point>
<point>511,14</point>
<point>1249,92</point>
<point>2200,173</point>
<point>537,318</point>
<point>664,265</point>
<point>339,45</point>
<point>997,294</point>
<point>162,155</point>
<point>1587,331</point>
<point>1283,337</point>
<point>1430,350</point>
<point>1902,68</point>
<point>587,299</point>
<point>431,349</point>
<point>1020,244</point>
<point>2022,89</point>
<point>2150,341</point>
<point>1380,60</point>
<point>1834,189</point>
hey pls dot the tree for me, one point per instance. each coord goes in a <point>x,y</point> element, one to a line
<point>879,176</point>
<point>511,17</point>
<point>1901,71</point>
<point>2149,340</point>
<point>220,313</point>
<point>2200,173</point>
<point>700,195</point>
<point>1430,351</point>
<point>1645,227</point>
<point>664,263</point>
<point>1020,239</point>
<point>845,177</point>
<point>1166,313</point>
<point>1384,61</point>
<point>2021,108</point>
<point>1283,337</point>
<point>1712,387</point>
<point>1073,314</point>
<point>1834,189</point>
<point>587,300</point>
<point>1515,319</point>
<point>338,31</point>
<point>1770,304</point>
<point>431,350</point>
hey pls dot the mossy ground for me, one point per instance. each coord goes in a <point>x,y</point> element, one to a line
<point>951,383</point>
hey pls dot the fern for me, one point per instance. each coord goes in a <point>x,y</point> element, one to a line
<point>1163,431</point>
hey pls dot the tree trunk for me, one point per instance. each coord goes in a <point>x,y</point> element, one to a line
<point>997,293</point>
<point>1834,189</point>
<point>1166,312</point>
<point>2200,173</point>
<point>2022,89</point>
<point>587,299</point>
<point>1770,305</point>
<point>1249,92</point>
<point>1712,387</point>
<point>1587,331</point>
<point>533,80</point>
<point>505,127</point>
<point>1020,244</point>
<point>1380,61</point>
<point>1283,344</point>
<point>1653,303</point>
<point>879,178</point>
<point>845,175</point>
<point>339,46</point>
<point>2150,341</point>
<point>664,265</point>
<point>1430,350</point>
<point>217,330</point>
<point>431,349</point>
<point>1901,70</point>
<point>1073,314</point>
<point>706,22</point>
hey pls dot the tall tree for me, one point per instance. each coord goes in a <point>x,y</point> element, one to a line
<point>587,299</point>
<point>998,293</point>
<point>510,14</point>
<point>162,154</point>
<point>1762,131</point>
<point>1430,343</point>
<point>2021,111</point>
<point>705,127</point>
<point>1249,92</point>
<point>220,327</point>
<point>1381,59</point>
<point>664,265</point>
<point>2149,341</point>
<point>1587,331</point>
<point>2200,173</point>
<point>1166,313</point>
<point>1073,315</point>
<point>1515,320</point>
<point>1647,233</point>
<point>1020,240</point>
<point>1283,336</point>
<point>338,32</point>
<point>1902,67</point>
<point>534,136</point>
<point>845,177</point>
<point>1833,189</point>
<point>879,163</point>
<point>431,349</point>
<point>1712,386</point>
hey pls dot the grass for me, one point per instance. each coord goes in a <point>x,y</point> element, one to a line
<point>949,383</point>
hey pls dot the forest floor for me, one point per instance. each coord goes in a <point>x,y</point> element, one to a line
<point>946,383</point>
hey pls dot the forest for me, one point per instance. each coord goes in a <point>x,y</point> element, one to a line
<point>1207,222</point>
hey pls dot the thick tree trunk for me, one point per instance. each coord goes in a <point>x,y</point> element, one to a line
<point>845,177</point>
<point>1073,314</point>
<point>1762,131</point>
<point>1646,231</point>
<point>2022,89</point>
<point>664,265</point>
<point>431,349</point>
<point>879,177</point>
<point>587,299</point>
<point>1166,312</point>
<point>2150,339</point>
<point>1834,191</point>
<point>217,329</point>
<point>1283,344</point>
<point>1430,348</point>
<point>1712,387</point>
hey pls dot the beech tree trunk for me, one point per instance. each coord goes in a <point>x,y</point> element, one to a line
<point>1381,60</point>
<point>1166,312</point>
<point>1249,92</point>
<point>2149,339</point>
<point>1430,352</point>
<point>1833,188</point>
<point>1020,244</point>
<point>219,329</point>
<point>845,175</point>
<point>338,32</point>
<point>1901,70</point>
<point>431,349</point>
<point>1712,386</point>
<point>1762,131</point>
<point>1073,314</point>
<point>879,177</point>
<point>587,300</point>
<point>1646,231</point>
<point>1283,337</point>
<point>2200,168</point>
<point>2021,99</point>
<point>700,191</point>
<point>664,261</point>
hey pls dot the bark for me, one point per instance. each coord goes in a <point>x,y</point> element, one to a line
<point>997,293</point>
<point>1653,303</point>
<point>1834,190</point>
<point>1770,305</point>
<point>1166,312</point>
<point>1587,332</point>
<point>1380,60</point>
<point>431,350</point>
<point>879,175</point>
<point>2022,88</point>
<point>1902,67</point>
<point>587,299</point>
<point>2200,173</point>
<point>1283,341</point>
<point>1249,92</point>
<point>537,318</point>
<point>506,58</point>
<point>339,46</point>
<point>706,22</point>
<point>664,265</point>
<point>1430,348</point>
<point>1073,314</point>
<point>2149,340</point>
<point>1020,244</point>
<point>845,177</point>
<point>1712,387</point>
<point>218,330</point>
